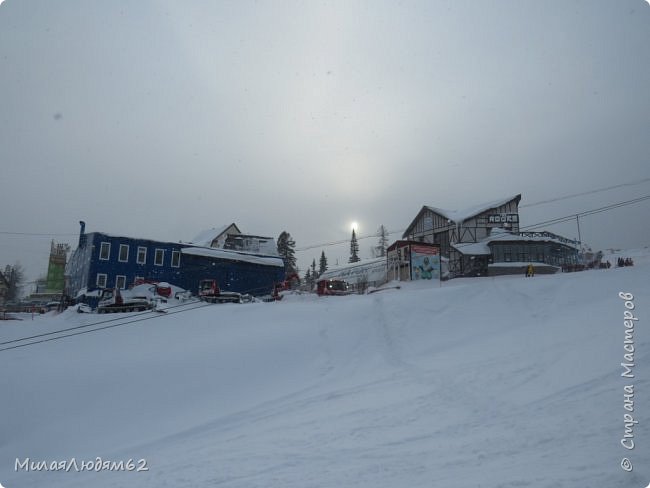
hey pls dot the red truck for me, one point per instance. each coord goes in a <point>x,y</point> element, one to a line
<point>332,287</point>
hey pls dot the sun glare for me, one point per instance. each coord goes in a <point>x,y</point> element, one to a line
<point>354,226</point>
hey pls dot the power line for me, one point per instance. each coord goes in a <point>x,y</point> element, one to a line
<point>128,322</point>
<point>589,192</point>
<point>592,211</point>
<point>566,218</point>
<point>543,202</point>
<point>37,234</point>
<point>155,314</point>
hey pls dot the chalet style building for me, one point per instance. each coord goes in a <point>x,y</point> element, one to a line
<point>486,239</point>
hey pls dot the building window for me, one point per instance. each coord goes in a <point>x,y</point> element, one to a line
<point>142,255</point>
<point>120,282</point>
<point>101,280</point>
<point>124,253</point>
<point>160,257</point>
<point>176,259</point>
<point>105,251</point>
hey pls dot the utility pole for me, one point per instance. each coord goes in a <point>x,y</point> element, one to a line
<point>579,249</point>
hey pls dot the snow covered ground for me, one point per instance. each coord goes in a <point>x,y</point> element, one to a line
<point>482,382</point>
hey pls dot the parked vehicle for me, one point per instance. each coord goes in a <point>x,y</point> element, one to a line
<point>112,301</point>
<point>332,287</point>
<point>210,292</point>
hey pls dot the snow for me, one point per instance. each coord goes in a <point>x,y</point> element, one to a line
<point>459,216</point>
<point>206,237</point>
<point>482,248</point>
<point>232,256</point>
<point>492,382</point>
<point>372,270</point>
<point>473,248</point>
<point>519,264</point>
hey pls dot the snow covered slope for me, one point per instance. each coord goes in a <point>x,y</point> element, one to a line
<point>490,382</point>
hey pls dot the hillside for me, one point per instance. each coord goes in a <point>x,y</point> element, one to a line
<point>491,382</point>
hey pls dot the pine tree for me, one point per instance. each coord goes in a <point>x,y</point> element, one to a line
<point>382,245</point>
<point>308,280</point>
<point>322,264</point>
<point>314,273</point>
<point>14,276</point>
<point>286,250</point>
<point>354,249</point>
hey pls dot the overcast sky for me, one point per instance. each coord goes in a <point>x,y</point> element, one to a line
<point>161,119</point>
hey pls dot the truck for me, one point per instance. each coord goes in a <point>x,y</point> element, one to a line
<point>332,287</point>
<point>210,292</point>
<point>112,301</point>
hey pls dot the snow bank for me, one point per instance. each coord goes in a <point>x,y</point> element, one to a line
<point>495,382</point>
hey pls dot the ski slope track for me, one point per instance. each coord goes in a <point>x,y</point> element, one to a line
<point>487,382</point>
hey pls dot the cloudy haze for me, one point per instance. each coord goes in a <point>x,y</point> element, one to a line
<point>161,119</point>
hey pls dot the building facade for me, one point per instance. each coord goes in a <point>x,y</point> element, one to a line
<point>108,261</point>
<point>476,238</point>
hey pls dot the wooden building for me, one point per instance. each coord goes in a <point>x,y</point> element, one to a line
<point>448,227</point>
<point>476,238</point>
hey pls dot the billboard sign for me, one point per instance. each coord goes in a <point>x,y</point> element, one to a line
<point>425,263</point>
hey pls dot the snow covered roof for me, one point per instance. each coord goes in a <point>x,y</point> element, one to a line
<point>207,237</point>
<point>482,248</point>
<point>472,248</point>
<point>212,252</point>
<point>536,236</point>
<point>371,269</point>
<point>460,216</point>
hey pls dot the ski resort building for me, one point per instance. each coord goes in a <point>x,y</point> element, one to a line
<point>415,260</point>
<point>108,261</point>
<point>368,272</point>
<point>487,238</point>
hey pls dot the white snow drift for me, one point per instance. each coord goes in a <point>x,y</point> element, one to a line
<point>504,382</point>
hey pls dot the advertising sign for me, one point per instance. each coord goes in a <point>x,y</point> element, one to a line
<point>425,263</point>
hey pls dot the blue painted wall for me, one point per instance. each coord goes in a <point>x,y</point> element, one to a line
<point>85,264</point>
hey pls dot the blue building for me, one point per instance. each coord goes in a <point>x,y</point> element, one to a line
<point>107,261</point>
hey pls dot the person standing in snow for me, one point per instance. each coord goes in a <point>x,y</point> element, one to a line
<point>530,271</point>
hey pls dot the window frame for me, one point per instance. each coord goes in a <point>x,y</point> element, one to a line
<point>105,276</point>
<point>119,254</point>
<point>117,279</point>
<point>176,254</point>
<point>101,251</point>
<point>162,257</point>
<point>142,249</point>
